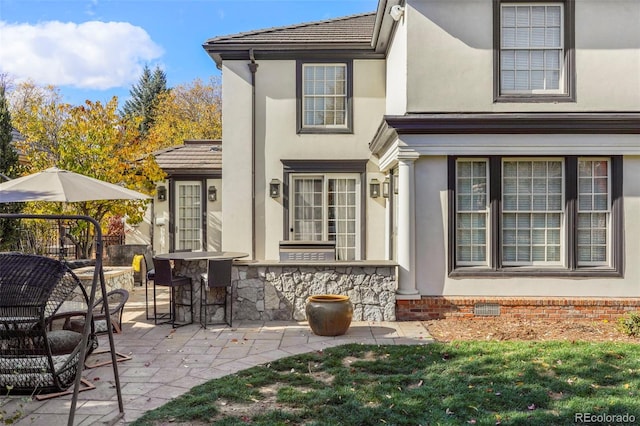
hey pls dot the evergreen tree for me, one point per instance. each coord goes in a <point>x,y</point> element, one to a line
<point>144,95</point>
<point>8,168</point>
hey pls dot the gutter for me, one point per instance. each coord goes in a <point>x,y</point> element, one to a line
<point>253,67</point>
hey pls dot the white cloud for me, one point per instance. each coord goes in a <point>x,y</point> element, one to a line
<point>91,55</point>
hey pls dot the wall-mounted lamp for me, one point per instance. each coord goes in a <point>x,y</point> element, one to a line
<point>385,187</point>
<point>162,193</point>
<point>396,12</point>
<point>374,188</point>
<point>212,193</point>
<point>274,188</point>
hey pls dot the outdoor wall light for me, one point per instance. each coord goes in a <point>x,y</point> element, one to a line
<point>162,193</point>
<point>374,188</point>
<point>274,188</point>
<point>212,193</point>
<point>385,187</point>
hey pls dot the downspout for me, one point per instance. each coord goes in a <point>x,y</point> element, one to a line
<point>253,67</point>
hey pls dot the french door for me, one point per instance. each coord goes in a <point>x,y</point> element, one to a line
<point>188,216</point>
<point>326,207</point>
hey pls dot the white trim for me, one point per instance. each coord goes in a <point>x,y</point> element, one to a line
<point>533,145</point>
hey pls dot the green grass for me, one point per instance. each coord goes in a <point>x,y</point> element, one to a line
<point>483,383</point>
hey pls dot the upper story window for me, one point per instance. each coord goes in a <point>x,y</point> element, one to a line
<point>534,51</point>
<point>324,97</point>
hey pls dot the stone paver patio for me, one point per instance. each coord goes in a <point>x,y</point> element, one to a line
<point>167,363</point>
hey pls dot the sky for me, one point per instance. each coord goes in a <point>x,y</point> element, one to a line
<point>97,49</point>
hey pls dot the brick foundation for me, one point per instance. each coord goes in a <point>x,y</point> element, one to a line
<point>436,307</point>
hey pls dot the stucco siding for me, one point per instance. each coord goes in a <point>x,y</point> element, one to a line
<point>431,246</point>
<point>277,139</point>
<point>396,78</point>
<point>451,65</point>
<point>236,136</point>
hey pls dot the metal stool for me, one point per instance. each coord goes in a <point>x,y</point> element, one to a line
<point>218,275</point>
<point>164,277</point>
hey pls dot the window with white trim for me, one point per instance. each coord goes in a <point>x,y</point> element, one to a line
<point>472,212</point>
<point>327,207</point>
<point>324,95</point>
<point>531,48</point>
<point>594,212</point>
<point>534,50</point>
<point>532,212</point>
<point>543,213</point>
<point>324,91</point>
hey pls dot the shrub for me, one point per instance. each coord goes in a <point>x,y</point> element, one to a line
<point>629,324</point>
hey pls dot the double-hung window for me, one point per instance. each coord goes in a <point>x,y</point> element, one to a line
<point>534,52</point>
<point>542,215</point>
<point>324,97</point>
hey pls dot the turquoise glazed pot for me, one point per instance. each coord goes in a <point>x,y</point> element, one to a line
<point>329,314</point>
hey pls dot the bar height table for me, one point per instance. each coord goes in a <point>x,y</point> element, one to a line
<point>192,264</point>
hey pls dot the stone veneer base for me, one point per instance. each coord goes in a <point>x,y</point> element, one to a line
<point>279,291</point>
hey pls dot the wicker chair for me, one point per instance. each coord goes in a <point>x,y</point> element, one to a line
<point>35,356</point>
<point>117,299</point>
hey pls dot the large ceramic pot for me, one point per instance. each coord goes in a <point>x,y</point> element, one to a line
<point>329,314</point>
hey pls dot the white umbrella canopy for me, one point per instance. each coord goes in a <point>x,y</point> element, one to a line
<point>55,184</point>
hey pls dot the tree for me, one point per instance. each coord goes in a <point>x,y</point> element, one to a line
<point>189,111</point>
<point>8,168</point>
<point>144,96</point>
<point>91,139</point>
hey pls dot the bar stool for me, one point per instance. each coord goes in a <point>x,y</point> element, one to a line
<point>149,275</point>
<point>164,277</point>
<point>218,276</point>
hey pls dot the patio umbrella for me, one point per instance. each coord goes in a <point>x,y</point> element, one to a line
<point>55,184</point>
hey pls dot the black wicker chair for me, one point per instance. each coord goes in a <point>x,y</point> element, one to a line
<point>35,293</point>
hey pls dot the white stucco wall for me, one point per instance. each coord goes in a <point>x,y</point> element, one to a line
<point>450,65</point>
<point>236,137</point>
<point>432,243</point>
<point>276,140</point>
<point>158,221</point>
<point>397,71</point>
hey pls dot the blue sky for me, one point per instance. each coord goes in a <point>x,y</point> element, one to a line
<point>96,49</point>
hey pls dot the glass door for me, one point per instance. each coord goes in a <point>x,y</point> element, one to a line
<point>188,214</point>
<point>327,208</point>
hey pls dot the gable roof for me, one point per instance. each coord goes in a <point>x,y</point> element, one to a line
<point>195,157</point>
<point>352,33</point>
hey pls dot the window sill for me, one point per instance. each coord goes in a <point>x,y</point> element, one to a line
<point>324,131</point>
<point>542,98</point>
<point>475,272</point>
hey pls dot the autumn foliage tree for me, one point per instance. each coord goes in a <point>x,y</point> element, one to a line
<point>91,139</point>
<point>188,111</point>
<point>8,167</point>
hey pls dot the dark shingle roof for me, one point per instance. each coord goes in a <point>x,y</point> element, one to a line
<point>348,29</point>
<point>194,157</point>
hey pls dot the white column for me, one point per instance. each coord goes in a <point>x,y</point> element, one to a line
<point>406,228</point>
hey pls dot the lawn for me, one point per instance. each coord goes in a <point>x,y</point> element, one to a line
<point>483,383</point>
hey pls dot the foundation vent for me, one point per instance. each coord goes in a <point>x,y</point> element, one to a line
<point>486,309</point>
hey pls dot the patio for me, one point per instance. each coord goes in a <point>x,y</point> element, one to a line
<point>168,362</point>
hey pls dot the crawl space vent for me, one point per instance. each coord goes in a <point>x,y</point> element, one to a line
<point>486,309</point>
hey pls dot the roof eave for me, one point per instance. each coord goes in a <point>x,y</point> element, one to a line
<point>384,25</point>
<point>240,51</point>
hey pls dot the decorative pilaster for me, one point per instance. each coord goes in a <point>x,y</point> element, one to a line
<point>406,227</point>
